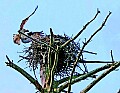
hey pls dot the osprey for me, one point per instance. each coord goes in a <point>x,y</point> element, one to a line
<point>23,38</point>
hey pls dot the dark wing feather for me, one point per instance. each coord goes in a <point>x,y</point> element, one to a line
<point>26,19</point>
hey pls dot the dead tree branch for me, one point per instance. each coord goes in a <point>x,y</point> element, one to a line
<point>112,56</point>
<point>96,62</point>
<point>85,44</point>
<point>24,73</point>
<point>53,71</point>
<point>83,77</point>
<point>49,52</point>
<point>84,27</point>
<point>118,91</point>
<point>117,64</point>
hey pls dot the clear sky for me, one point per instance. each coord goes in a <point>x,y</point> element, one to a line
<point>63,16</point>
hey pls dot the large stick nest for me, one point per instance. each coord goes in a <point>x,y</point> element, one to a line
<point>37,54</point>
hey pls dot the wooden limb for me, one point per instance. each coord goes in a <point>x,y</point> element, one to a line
<point>83,77</point>
<point>50,58</point>
<point>49,53</point>
<point>67,78</point>
<point>113,67</point>
<point>96,62</point>
<point>25,74</point>
<point>118,91</point>
<point>84,27</point>
<point>85,44</point>
<point>112,56</point>
<point>53,71</point>
<point>84,51</point>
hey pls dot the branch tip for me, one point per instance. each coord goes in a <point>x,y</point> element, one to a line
<point>98,11</point>
<point>110,12</point>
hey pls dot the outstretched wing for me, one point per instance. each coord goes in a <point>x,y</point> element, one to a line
<point>26,19</point>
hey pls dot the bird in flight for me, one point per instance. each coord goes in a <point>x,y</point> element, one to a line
<point>23,38</point>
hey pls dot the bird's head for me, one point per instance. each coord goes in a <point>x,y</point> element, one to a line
<point>16,38</point>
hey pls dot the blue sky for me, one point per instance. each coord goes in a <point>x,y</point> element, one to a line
<point>63,16</point>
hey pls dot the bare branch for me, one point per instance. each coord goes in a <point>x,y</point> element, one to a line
<point>53,70</point>
<point>85,44</point>
<point>112,56</point>
<point>49,52</point>
<point>84,51</point>
<point>83,77</point>
<point>118,91</point>
<point>84,27</point>
<point>24,73</point>
<point>96,61</point>
<point>50,58</point>
<point>117,64</point>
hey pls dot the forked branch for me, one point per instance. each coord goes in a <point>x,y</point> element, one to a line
<point>85,44</point>
<point>117,64</point>
<point>85,76</point>
<point>24,73</point>
<point>84,27</point>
